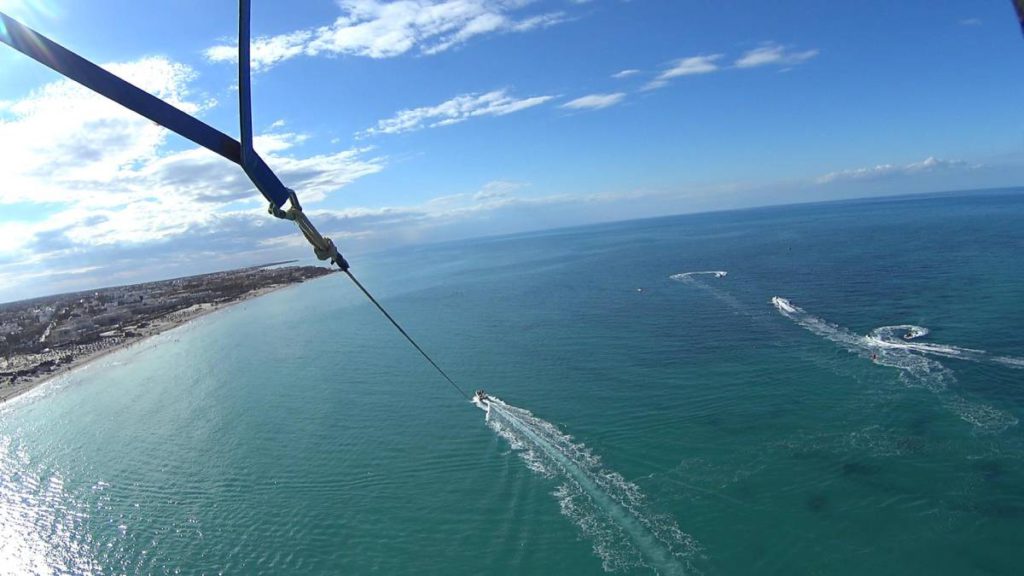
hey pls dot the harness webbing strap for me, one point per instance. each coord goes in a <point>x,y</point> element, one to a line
<point>73,66</point>
<point>53,55</point>
<point>255,168</point>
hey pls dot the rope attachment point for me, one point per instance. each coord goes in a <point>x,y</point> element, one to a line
<point>323,247</point>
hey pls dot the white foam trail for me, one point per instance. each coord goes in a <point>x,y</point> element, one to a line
<point>904,336</point>
<point>607,508</point>
<point>901,337</point>
<point>693,279</point>
<point>849,340</point>
<point>1010,361</point>
<point>886,346</point>
<point>685,275</point>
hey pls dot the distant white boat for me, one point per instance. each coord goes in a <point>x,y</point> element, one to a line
<point>783,304</point>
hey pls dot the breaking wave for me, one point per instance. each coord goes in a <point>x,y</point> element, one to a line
<point>607,509</point>
<point>892,346</point>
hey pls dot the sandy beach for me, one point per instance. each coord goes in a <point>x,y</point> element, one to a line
<point>156,326</point>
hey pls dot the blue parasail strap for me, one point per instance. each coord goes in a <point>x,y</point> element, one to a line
<point>66,62</point>
<point>49,53</point>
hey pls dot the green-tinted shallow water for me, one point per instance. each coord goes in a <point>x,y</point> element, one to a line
<point>298,434</point>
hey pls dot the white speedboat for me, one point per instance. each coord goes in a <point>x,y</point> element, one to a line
<point>783,304</point>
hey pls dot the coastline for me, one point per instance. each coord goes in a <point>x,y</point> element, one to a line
<point>159,326</point>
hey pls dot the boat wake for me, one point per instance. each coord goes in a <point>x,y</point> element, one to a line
<point>608,509</point>
<point>687,275</point>
<point>1010,361</point>
<point>894,346</point>
<point>901,337</point>
<point>695,279</point>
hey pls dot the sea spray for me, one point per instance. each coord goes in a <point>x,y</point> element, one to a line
<point>608,509</point>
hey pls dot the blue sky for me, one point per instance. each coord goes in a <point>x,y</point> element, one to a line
<point>413,121</point>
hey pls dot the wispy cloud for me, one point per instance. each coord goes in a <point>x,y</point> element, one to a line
<point>768,54</point>
<point>379,29</point>
<point>458,109</point>
<point>625,73</point>
<point>595,101</point>
<point>497,189</point>
<point>883,171</point>
<point>693,65</point>
<point>690,66</point>
<point>773,54</point>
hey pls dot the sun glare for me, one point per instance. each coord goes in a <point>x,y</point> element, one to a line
<point>29,10</point>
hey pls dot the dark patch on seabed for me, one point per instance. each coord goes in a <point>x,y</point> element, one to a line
<point>991,470</point>
<point>860,469</point>
<point>910,444</point>
<point>997,508</point>
<point>921,423</point>
<point>817,503</point>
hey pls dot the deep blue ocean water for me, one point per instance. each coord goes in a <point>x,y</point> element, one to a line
<point>648,423</point>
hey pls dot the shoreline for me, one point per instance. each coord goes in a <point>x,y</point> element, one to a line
<point>159,326</point>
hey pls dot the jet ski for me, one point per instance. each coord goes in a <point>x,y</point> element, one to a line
<point>482,400</point>
<point>914,333</point>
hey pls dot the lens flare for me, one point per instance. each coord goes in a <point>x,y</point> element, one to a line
<point>28,11</point>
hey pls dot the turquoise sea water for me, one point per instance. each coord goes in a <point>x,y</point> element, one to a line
<point>648,423</point>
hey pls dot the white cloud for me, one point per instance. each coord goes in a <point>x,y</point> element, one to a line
<point>454,111</point>
<point>595,101</point>
<point>540,21</point>
<point>625,73</point>
<point>101,178</point>
<point>229,238</point>
<point>769,53</point>
<point>265,51</point>
<point>73,142</point>
<point>497,189</point>
<point>882,171</point>
<point>690,66</point>
<point>379,29</point>
<point>773,54</point>
<point>703,64</point>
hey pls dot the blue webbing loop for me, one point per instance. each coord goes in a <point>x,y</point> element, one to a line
<point>53,55</point>
<point>62,60</point>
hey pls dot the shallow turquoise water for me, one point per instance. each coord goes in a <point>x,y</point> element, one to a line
<point>298,434</point>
